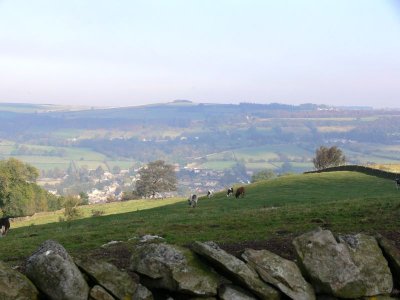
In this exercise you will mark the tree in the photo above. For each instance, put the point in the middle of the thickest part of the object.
(99, 171)
(19, 194)
(240, 171)
(84, 198)
(156, 177)
(328, 157)
(71, 211)
(116, 169)
(263, 175)
(286, 167)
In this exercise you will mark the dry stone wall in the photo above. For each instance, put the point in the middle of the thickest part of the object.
(327, 267)
(361, 169)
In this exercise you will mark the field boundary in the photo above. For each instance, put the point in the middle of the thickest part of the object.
(361, 169)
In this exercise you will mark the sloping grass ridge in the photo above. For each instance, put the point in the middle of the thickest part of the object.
(341, 201)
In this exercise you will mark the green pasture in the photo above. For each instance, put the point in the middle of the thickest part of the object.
(84, 154)
(344, 202)
(302, 165)
(81, 157)
(289, 150)
(71, 153)
(44, 162)
(263, 165)
(378, 157)
(266, 152)
(296, 166)
(394, 168)
(256, 153)
(86, 211)
(227, 164)
(394, 148)
(68, 133)
(123, 164)
(6, 147)
(338, 119)
(335, 128)
(218, 164)
(256, 158)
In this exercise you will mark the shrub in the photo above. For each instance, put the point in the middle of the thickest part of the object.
(97, 213)
(328, 157)
(70, 210)
(263, 175)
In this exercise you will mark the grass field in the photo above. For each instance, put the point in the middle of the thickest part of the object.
(394, 168)
(342, 201)
(266, 152)
(257, 158)
(335, 128)
(81, 157)
(374, 155)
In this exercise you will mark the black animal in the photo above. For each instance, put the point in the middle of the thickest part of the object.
(397, 182)
(4, 225)
(239, 192)
(230, 192)
(192, 200)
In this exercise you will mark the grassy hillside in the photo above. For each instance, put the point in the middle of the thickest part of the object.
(341, 201)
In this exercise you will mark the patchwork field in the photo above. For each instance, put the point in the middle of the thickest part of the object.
(341, 201)
(81, 156)
(265, 157)
(394, 168)
(372, 153)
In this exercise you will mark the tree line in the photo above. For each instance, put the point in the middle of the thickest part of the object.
(21, 196)
(325, 157)
(19, 193)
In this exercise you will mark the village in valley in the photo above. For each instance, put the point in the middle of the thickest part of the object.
(98, 153)
(103, 186)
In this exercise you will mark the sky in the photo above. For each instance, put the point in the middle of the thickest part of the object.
(134, 52)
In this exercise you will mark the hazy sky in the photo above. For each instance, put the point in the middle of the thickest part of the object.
(94, 52)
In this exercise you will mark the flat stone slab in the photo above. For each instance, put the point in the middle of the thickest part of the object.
(281, 273)
(118, 283)
(235, 269)
(231, 292)
(14, 285)
(173, 268)
(351, 268)
(392, 255)
(53, 271)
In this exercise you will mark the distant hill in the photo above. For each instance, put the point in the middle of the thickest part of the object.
(213, 145)
(37, 108)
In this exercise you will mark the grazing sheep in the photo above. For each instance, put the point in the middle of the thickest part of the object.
(210, 193)
(230, 192)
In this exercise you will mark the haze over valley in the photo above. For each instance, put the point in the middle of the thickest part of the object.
(212, 146)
